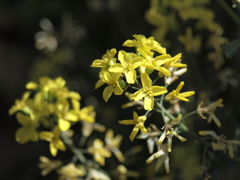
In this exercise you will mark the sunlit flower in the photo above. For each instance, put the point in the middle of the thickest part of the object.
(154, 62)
(99, 152)
(106, 61)
(169, 133)
(127, 66)
(222, 143)
(54, 139)
(48, 165)
(112, 144)
(138, 121)
(162, 157)
(71, 172)
(114, 86)
(210, 109)
(176, 95)
(28, 131)
(142, 41)
(148, 92)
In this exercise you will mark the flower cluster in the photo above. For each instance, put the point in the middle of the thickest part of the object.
(47, 111)
(124, 70)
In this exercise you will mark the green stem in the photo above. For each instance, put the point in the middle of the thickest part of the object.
(75, 150)
(187, 115)
(229, 11)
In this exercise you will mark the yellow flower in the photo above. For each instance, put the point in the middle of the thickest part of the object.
(99, 151)
(20, 105)
(210, 109)
(155, 62)
(64, 115)
(113, 81)
(176, 95)
(191, 44)
(222, 143)
(85, 114)
(127, 66)
(54, 139)
(52, 88)
(28, 131)
(148, 92)
(112, 144)
(169, 133)
(138, 121)
(142, 41)
(162, 156)
(48, 165)
(71, 172)
(107, 60)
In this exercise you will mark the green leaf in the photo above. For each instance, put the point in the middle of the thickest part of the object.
(230, 48)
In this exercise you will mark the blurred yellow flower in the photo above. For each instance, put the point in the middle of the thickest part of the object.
(64, 115)
(138, 121)
(99, 152)
(28, 131)
(148, 92)
(191, 44)
(54, 139)
(20, 105)
(71, 172)
(112, 144)
(48, 165)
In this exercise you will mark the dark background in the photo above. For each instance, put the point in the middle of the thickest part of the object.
(107, 26)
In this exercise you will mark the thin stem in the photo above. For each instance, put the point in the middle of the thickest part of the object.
(187, 115)
(229, 11)
(75, 150)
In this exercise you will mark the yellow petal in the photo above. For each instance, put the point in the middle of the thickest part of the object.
(146, 81)
(138, 95)
(107, 92)
(148, 103)
(71, 116)
(118, 90)
(131, 76)
(32, 85)
(53, 149)
(63, 124)
(134, 133)
(158, 90)
(116, 68)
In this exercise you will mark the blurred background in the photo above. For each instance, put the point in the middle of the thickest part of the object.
(78, 32)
